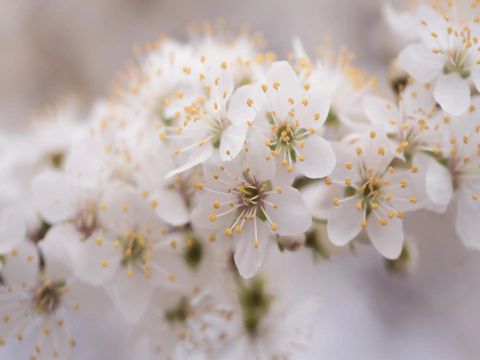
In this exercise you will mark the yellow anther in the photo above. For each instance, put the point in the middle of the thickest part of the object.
(328, 181)
(413, 200)
(228, 232)
(348, 181)
(212, 217)
(256, 244)
(216, 204)
(349, 165)
(199, 186)
(104, 263)
(336, 201)
(403, 184)
(274, 227)
(373, 134)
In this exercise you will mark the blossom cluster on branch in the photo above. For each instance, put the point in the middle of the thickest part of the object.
(163, 202)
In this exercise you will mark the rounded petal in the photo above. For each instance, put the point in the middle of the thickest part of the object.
(172, 208)
(387, 239)
(476, 78)
(318, 158)
(283, 84)
(381, 112)
(344, 222)
(52, 196)
(312, 110)
(232, 141)
(12, 228)
(439, 185)
(467, 222)
(123, 208)
(96, 259)
(290, 214)
(258, 158)
(245, 103)
(250, 252)
(452, 93)
(21, 265)
(132, 295)
(420, 62)
(92, 300)
(198, 156)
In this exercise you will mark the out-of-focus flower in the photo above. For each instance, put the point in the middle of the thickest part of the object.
(447, 56)
(241, 199)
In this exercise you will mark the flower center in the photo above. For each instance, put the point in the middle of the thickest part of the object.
(193, 254)
(251, 192)
(285, 134)
(48, 297)
(134, 249)
(458, 62)
(86, 222)
(179, 313)
(255, 303)
(217, 125)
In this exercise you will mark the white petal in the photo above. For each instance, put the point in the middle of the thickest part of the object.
(171, 207)
(239, 111)
(232, 141)
(312, 108)
(292, 216)
(467, 222)
(92, 300)
(248, 257)
(85, 162)
(452, 93)
(52, 195)
(438, 183)
(96, 259)
(372, 157)
(132, 294)
(319, 158)
(125, 209)
(420, 62)
(12, 228)
(281, 73)
(344, 222)
(58, 263)
(476, 78)
(387, 239)
(259, 159)
(381, 112)
(198, 156)
(22, 265)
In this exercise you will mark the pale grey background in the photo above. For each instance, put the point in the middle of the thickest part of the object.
(53, 47)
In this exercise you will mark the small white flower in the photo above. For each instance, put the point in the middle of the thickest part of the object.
(447, 56)
(128, 256)
(39, 306)
(461, 153)
(369, 193)
(290, 117)
(417, 127)
(268, 327)
(241, 199)
(180, 323)
(344, 83)
(215, 122)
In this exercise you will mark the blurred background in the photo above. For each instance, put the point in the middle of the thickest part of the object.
(51, 48)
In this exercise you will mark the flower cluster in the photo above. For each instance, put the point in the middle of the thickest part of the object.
(163, 202)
